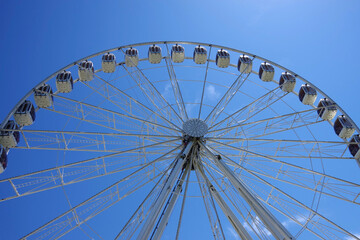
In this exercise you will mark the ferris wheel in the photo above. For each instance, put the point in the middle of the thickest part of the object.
(179, 140)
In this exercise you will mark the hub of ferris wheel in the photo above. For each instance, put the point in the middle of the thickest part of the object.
(194, 130)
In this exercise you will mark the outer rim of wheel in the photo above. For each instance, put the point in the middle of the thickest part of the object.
(178, 42)
(181, 42)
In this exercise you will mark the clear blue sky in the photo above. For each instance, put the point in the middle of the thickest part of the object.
(319, 40)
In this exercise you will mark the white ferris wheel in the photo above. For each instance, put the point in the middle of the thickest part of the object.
(179, 140)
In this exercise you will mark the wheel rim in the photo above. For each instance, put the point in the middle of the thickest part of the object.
(137, 113)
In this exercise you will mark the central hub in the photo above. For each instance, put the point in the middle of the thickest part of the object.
(195, 127)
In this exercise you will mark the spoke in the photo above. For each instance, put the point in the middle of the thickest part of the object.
(74, 172)
(283, 148)
(236, 203)
(94, 205)
(205, 78)
(167, 188)
(333, 180)
(84, 141)
(184, 199)
(253, 108)
(98, 115)
(234, 221)
(130, 101)
(150, 91)
(143, 210)
(272, 224)
(225, 100)
(175, 86)
(169, 207)
(290, 207)
(272, 125)
(315, 182)
(210, 209)
(304, 180)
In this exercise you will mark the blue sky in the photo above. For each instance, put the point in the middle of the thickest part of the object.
(318, 40)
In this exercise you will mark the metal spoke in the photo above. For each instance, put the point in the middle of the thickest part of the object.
(150, 91)
(253, 108)
(331, 179)
(98, 115)
(225, 100)
(225, 208)
(169, 207)
(210, 209)
(160, 201)
(91, 207)
(175, 86)
(272, 224)
(143, 210)
(84, 141)
(184, 199)
(205, 78)
(74, 172)
(283, 204)
(291, 148)
(272, 125)
(130, 101)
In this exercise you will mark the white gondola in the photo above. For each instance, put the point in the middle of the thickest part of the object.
(327, 109)
(343, 127)
(108, 63)
(64, 82)
(86, 71)
(177, 53)
(200, 55)
(222, 58)
(354, 146)
(266, 72)
(244, 64)
(3, 159)
(25, 114)
(11, 138)
(131, 57)
(307, 94)
(287, 82)
(43, 96)
(154, 54)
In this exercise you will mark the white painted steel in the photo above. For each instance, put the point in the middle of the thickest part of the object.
(160, 130)
(272, 224)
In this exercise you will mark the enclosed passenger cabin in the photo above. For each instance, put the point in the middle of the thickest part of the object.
(25, 114)
(177, 53)
(307, 94)
(354, 146)
(86, 71)
(343, 127)
(64, 82)
(3, 159)
(131, 57)
(11, 138)
(43, 96)
(108, 63)
(326, 109)
(222, 58)
(266, 72)
(200, 55)
(154, 54)
(287, 82)
(244, 64)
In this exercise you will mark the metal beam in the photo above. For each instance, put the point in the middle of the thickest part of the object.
(167, 188)
(272, 224)
(239, 228)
